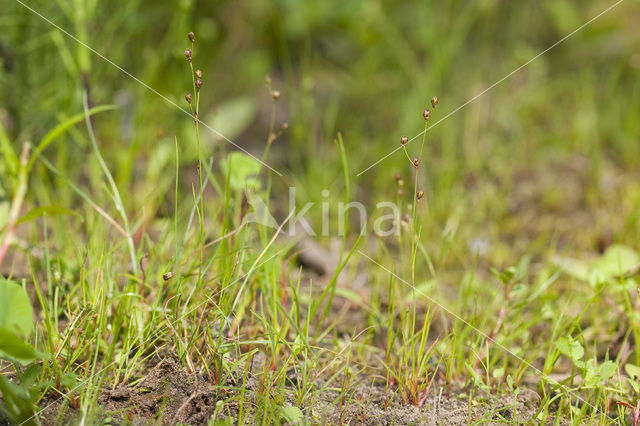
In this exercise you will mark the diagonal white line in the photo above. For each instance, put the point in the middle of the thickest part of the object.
(494, 84)
(142, 83)
(477, 330)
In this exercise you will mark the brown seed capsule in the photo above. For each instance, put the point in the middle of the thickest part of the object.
(198, 73)
(192, 36)
(416, 162)
(434, 101)
(419, 195)
(188, 97)
(426, 114)
(398, 176)
(198, 83)
(275, 95)
(187, 54)
(168, 275)
(404, 140)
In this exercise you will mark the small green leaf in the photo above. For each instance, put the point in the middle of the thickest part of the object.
(291, 414)
(570, 347)
(244, 170)
(632, 370)
(497, 372)
(607, 369)
(510, 382)
(505, 276)
(16, 314)
(298, 345)
(48, 210)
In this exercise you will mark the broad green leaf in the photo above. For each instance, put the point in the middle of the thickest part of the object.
(291, 414)
(14, 348)
(570, 347)
(617, 260)
(232, 117)
(244, 170)
(16, 314)
(48, 210)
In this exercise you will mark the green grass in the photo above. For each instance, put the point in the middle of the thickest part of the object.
(516, 269)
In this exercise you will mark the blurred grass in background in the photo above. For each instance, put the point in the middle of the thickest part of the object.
(365, 68)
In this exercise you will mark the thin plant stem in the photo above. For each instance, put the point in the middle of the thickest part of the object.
(114, 189)
(16, 203)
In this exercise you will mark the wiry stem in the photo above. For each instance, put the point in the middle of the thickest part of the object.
(16, 203)
(114, 189)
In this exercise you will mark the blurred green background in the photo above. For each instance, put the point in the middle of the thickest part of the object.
(556, 145)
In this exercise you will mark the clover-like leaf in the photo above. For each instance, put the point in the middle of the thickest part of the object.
(570, 347)
(291, 414)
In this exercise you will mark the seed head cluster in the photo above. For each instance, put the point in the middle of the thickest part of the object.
(426, 114)
(197, 75)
